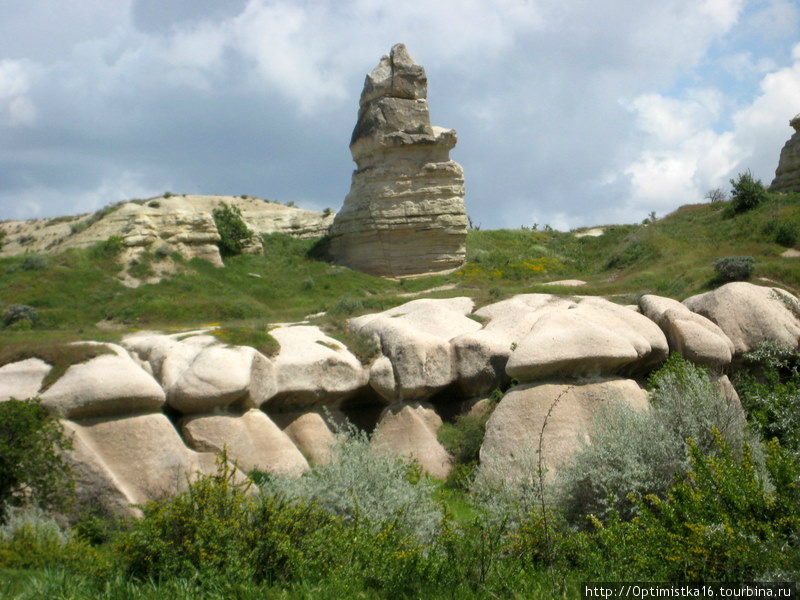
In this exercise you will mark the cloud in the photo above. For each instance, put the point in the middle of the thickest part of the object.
(14, 100)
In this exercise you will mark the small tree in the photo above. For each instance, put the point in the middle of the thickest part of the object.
(747, 193)
(232, 229)
(33, 468)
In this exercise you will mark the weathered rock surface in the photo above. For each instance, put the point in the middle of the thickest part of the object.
(750, 314)
(584, 336)
(510, 447)
(199, 374)
(313, 368)
(405, 212)
(22, 379)
(109, 384)
(173, 223)
(691, 334)
(253, 440)
(310, 433)
(131, 460)
(787, 175)
(409, 429)
(419, 359)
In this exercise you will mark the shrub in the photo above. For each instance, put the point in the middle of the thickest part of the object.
(363, 482)
(746, 193)
(769, 388)
(108, 249)
(720, 523)
(640, 452)
(786, 234)
(234, 233)
(30, 538)
(734, 268)
(16, 313)
(33, 468)
(34, 262)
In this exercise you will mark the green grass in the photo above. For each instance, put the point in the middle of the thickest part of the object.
(674, 256)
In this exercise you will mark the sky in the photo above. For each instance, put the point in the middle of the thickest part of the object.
(569, 112)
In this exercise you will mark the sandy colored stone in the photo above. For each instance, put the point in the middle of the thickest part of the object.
(692, 335)
(122, 461)
(787, 175)
(405, 212)
(310, 432)
(409, 430)
(199, 373)
(253, 440)
(585, 336)
(22, 379)
(313, 369)
(510, 446)
(109, 384)
(415, 337)
(750, 314)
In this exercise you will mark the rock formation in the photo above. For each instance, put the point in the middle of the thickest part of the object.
(405, 213)
(151, 411)
(787, 175)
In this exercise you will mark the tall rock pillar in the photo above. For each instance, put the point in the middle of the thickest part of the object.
(787, 175)
(405, 213)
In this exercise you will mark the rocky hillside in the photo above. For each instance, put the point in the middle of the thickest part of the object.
(169, 223)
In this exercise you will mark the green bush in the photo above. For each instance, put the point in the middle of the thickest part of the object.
(734, 268)
(35, 262)
(747, 193)
(234, 233)
(769, 387)
(720, 523)
(640, 452)
(30, 538)
(786, 234)
(109, 249)
(17, 313)
(33, 468)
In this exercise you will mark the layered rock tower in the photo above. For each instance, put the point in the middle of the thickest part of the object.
(404, 214)
(787, 175)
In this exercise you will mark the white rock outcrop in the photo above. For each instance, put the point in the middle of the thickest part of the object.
(405, 212)
(109, 384)
(253, 440)
(418, 358)
(510, 446)
(409, 430)
(310, 432)
(198, 373)
(22, 379)
(312, 369)
(122, 461)
(750, 314)
(585, 336)
(692, 335)
(787, 175)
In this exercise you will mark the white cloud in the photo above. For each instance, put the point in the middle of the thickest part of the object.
(14, 100)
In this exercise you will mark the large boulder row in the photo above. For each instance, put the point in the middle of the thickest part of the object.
(22, 379)
(253, 440)
(510, 445)
(109, 384)
(691, 334)
(409, 430)
(313, 369)
(787, 175)
(586, 336)
(199, 374)
(120, 462)
(750, 314)
(405, 212)
(414, 337)
(310, 432)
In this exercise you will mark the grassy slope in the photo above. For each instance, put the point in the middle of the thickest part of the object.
(673, 257)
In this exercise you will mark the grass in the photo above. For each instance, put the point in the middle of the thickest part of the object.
(75, 291)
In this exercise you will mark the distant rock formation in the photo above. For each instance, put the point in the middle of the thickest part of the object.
(787, 175)
(405, 213)
(165, 224)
